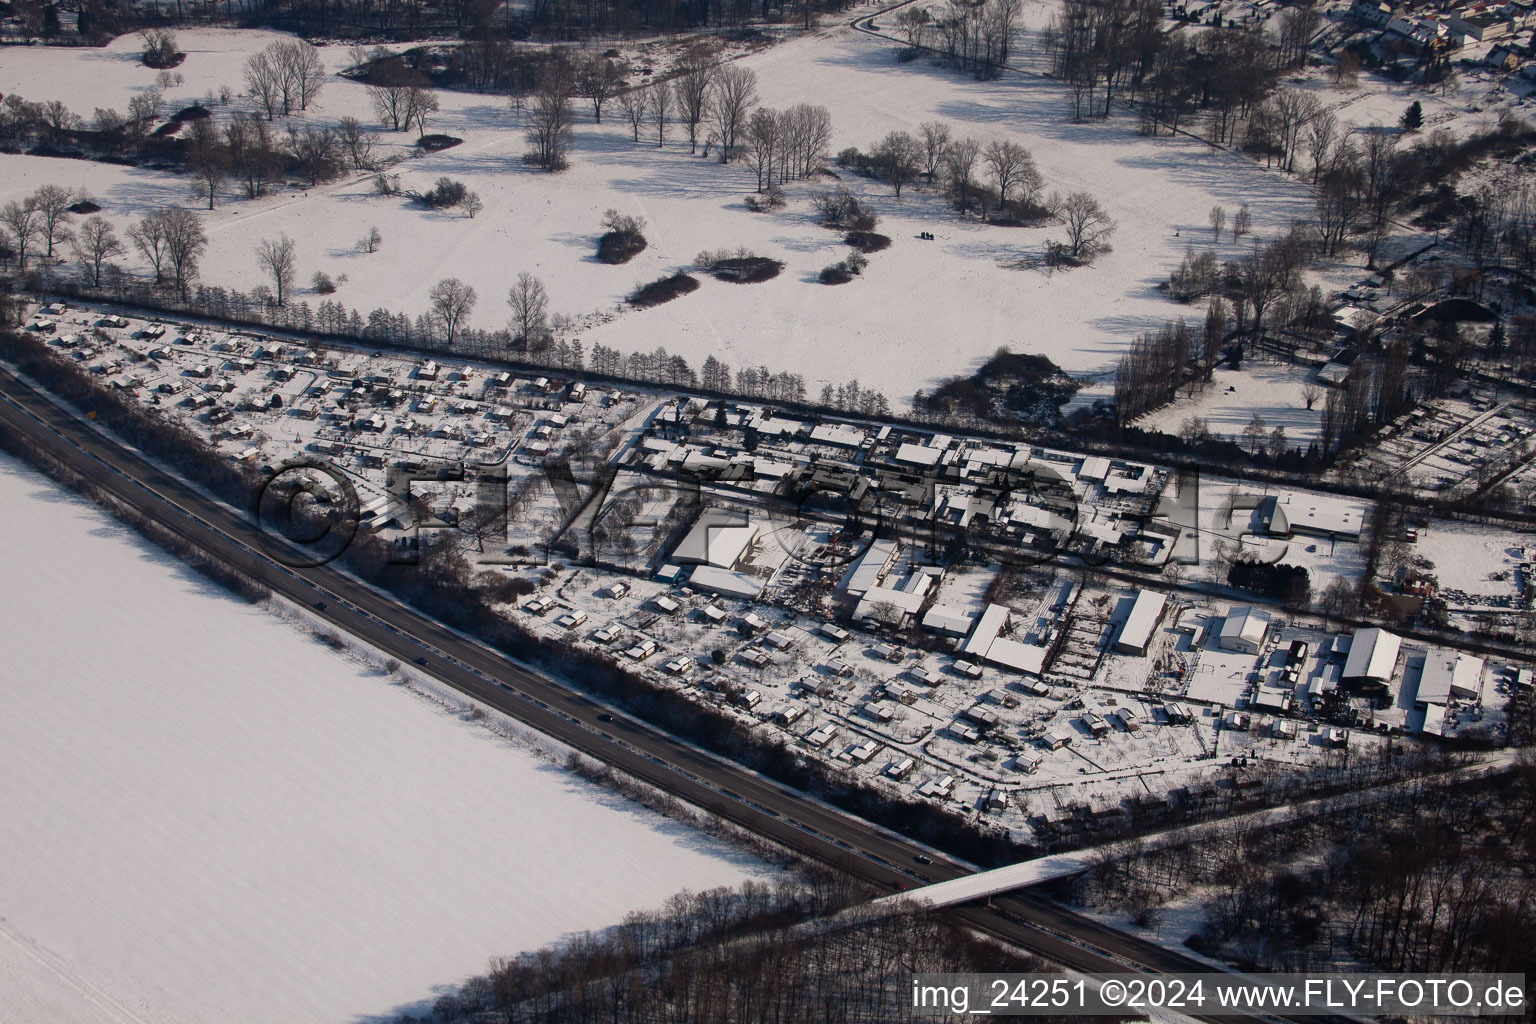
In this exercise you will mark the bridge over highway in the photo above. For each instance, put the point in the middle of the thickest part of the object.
(986, 884)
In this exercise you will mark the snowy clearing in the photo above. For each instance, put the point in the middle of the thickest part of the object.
(206, 816)
(880, 329)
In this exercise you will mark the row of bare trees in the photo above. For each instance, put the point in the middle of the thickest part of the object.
(704, 94)
(1373, 394)
(976, 37)
(782, 145)
(284, 77)
(935, 154)
(725, 955)
(400, 95)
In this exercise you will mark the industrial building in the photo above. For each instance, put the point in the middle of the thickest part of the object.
(1244, 630)
(1136, 634)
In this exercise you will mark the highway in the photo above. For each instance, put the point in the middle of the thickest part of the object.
(735, 794)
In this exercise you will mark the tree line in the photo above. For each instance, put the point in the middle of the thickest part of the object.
(759, 953)
(480, 22)
(1434, 879)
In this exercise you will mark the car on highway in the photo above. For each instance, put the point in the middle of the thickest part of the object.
(421, 661)
(605, 718)
(922, 858)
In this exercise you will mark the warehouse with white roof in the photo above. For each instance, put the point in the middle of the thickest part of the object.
(1244, 630)
(1372, 657)
(1136, 634)
(718, 538)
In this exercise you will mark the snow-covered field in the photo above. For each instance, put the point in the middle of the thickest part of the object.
(1271, 390)
(205, 815)
(924, 310)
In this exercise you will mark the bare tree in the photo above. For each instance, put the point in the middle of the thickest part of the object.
(278, 258)
(159, 48)
(316, 152)
(264, 82)
(1013, 169)
(692, 90)
(935, 136)
(1293, 110)
(253, 155)
(549, 125)
(897, 155)
(284, 77)
(599, 78)
(452, 301)
(172, 240)
(144, 110)
(809, 133)
(393, 90)
(632, 105)
(1088, 226)
(960, 166)
(1218, 221)
(471, 204)
(660, 104)
(148, 236)
(913, 23)
(207, 163)
(1310, 393)
(95, 244)
(370, 241)
(1242, 222)
(530, 310)
(420, 104)
(21, 217)
(52, 203)
(357, 142)
(59, 120)
(1321, 131)
(303, 71)
(735, 93)
(764, 134)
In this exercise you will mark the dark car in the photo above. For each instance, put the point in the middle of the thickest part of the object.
(421, 661)
(923, 858)
(605, 718)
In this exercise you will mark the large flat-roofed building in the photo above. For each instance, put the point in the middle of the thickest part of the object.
(870, 568)
(987, 628)
(1136, 634)
(918, 454)
(718, 538)
(1372, 657)
(715, 580)
(1315, 515)
(1027, 658)
(1244, 629)
(1447, 675)
(949, 618)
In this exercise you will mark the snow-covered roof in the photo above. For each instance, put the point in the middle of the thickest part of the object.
(718, 538)
(1147, 609)
(840, 434)
(918, 454)
(1449, 674)
(715, 580)
(982, 637)
(1372, 654)
(1316, 514)
(908, 601)
(1095, 467)
(1246, 623)
(949, 618)
(1012, 654)
(866, 572)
